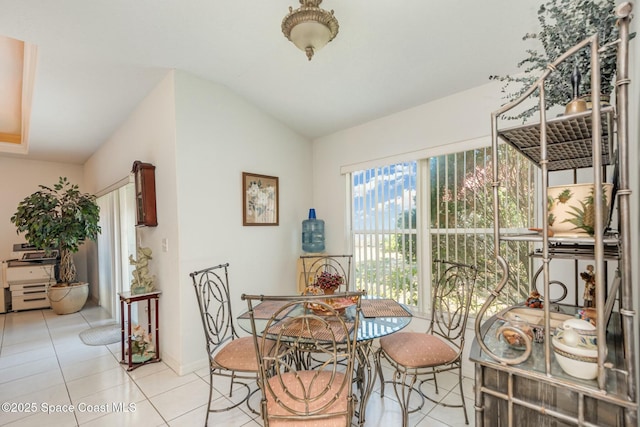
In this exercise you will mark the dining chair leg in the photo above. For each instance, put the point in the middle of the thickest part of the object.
(249, 401)
(379, 369)
(233, 377)
(206, 420)
(404, 395)
(464, 406)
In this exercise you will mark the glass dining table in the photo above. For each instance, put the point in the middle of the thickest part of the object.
(378, 317)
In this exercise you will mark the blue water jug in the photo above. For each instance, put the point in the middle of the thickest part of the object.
(313, 233)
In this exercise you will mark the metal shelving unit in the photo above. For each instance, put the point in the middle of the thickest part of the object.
(529, 387)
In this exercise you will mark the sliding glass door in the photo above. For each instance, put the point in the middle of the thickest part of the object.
(116, 242)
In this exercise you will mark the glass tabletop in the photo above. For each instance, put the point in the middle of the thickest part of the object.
(369, 328)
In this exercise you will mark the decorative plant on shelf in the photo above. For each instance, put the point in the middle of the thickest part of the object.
(565, 23)
(60, 217)
(142, 347)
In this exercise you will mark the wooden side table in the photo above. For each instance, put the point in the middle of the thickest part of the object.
(125, 326)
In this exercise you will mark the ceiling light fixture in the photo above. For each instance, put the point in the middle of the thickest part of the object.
(310, 27)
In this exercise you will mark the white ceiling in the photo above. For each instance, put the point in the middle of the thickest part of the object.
(97, 59)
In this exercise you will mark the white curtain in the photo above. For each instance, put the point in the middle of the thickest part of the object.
(116, 242)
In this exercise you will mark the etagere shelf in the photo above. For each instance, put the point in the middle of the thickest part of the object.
(528, 387)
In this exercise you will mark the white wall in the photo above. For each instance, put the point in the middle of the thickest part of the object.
(220, 136)
(148, 135)
(21, 178)
(201, 137)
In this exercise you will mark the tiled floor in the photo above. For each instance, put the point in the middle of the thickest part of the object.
(44, 367)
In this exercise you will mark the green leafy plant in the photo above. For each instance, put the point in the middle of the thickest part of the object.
(60, 217)
(563, 24)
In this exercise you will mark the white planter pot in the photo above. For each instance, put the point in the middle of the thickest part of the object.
(571, 210)
(66, 299)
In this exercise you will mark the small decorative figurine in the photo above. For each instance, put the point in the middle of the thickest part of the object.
(534, 300)
(589, 278)
(142, 281)
(577, 104)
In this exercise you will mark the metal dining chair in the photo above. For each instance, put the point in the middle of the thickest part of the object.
(315, 265)
(229, 355)
(293, 393)
(418, 355)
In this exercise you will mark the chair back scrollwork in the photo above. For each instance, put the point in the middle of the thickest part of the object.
(212, 292)
(304, 330)
(230, 356)
(337, 265)
(451, 300)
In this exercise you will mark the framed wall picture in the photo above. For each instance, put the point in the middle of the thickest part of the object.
(259, 199)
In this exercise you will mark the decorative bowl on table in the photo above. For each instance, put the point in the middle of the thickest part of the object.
(338, 304)
(313, 290)
(575, 348)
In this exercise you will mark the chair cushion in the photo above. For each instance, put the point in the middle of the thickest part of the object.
(319, 383)
(237, 355)
(417, 350)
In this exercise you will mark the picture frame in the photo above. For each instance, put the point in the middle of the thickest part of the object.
(260, 199)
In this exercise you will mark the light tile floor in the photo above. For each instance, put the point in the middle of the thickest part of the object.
(45, 368)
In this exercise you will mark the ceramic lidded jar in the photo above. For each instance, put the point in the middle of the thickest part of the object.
(575, 348)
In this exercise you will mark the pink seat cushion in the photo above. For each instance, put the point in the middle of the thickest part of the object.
(417, 350)
(310, 385)
(238, 355)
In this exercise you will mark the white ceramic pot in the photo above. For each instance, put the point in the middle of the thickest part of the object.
(67, 299)
(571, 210)
(575, 348)
(575, 361)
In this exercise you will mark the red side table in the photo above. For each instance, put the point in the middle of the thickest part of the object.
(125, 326)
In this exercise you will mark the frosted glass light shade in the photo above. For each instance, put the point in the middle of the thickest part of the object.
(310, 34)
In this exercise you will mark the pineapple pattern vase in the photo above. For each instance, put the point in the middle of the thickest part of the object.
(571, 209)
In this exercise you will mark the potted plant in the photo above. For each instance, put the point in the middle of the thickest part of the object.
(329, 282)
(60, 217)
(563, 24)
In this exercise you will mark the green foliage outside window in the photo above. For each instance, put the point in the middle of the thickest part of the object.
(461, 225)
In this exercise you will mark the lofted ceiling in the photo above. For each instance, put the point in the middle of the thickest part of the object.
(98, 59)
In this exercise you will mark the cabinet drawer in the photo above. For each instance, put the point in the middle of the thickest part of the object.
(30, 273)
(31, 301)
(31, 288)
